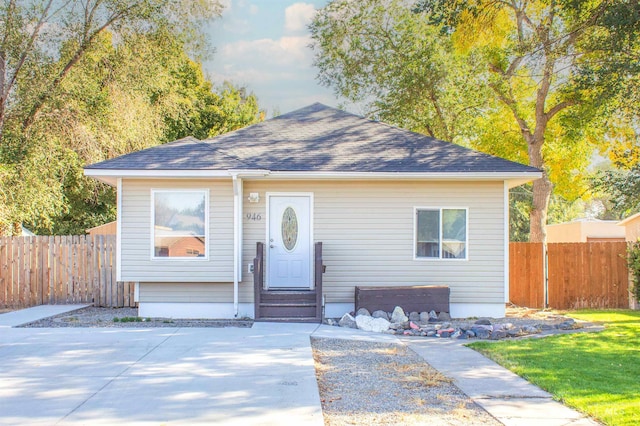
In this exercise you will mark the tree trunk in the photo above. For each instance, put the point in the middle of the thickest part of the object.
(542, 189)
(538, 218)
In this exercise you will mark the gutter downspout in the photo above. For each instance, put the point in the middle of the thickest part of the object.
(237, 206)
(506, 236)
(238, 195)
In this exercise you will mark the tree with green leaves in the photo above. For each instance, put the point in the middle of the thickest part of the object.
(42, 41)
(83, 81)
(123, 99)
(522, 64)
(396, 65)
(623, 188)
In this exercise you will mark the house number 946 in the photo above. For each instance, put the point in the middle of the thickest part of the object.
(254, 216)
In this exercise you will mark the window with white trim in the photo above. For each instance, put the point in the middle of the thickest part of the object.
(441, 233)
(180, 224)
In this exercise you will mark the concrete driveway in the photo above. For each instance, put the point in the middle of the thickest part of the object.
(263, 375)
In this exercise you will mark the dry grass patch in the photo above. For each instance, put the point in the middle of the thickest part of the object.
(364, 383)
(417, 374)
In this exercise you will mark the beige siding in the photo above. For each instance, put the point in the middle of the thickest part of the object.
(186, 292)
(367, 234)
(136, 234)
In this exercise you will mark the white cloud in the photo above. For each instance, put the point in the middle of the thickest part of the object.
(298, 16)
(236, 26)
(284, 51)
(277, 67)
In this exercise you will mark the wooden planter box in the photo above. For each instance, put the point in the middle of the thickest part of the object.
(410, 298)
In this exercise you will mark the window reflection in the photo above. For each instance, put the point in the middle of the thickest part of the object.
(441, 233)
(179, 224)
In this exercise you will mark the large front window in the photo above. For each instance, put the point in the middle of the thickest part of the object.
(180, 223)
(441, 233)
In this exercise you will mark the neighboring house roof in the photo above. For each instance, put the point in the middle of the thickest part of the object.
(585, 220)
(316, 138)
(109, 228)
(631, 218)
(26, 233)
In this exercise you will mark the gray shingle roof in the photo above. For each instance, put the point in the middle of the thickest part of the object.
(315, 138)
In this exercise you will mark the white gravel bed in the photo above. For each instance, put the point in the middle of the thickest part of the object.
(365, 383)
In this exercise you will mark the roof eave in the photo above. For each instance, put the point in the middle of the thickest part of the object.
(623, 222)
(518, 178)
(110, 176)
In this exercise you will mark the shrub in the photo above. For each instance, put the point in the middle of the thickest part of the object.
(633, 260)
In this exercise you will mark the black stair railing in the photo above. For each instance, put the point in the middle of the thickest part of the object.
(258, 278)
(319, 269)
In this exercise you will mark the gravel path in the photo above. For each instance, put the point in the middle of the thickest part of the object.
(364, 383)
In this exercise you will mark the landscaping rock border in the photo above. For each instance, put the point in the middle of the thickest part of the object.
(440, 325)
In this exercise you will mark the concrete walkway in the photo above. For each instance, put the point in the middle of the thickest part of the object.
(262, 375)
(503, 394)
(506, 396)
(23, 316)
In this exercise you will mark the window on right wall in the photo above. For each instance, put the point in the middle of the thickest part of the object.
(441, 233)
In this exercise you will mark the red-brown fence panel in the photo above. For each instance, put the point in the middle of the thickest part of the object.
(526, 274)
(588, 275)
(580, 275)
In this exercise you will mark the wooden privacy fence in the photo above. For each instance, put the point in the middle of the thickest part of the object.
(579, 275)
(62, 269)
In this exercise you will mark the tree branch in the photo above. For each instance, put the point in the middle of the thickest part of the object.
(27, 50)
(514, 66)
(439, 113)
(3, 61)
(84, 46)
(511, 104)
(559, 107)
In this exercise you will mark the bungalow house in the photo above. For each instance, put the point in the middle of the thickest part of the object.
(288, 216)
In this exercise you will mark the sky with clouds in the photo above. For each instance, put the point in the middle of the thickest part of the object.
(263, 45)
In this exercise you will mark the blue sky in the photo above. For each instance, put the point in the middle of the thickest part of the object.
(263, 45)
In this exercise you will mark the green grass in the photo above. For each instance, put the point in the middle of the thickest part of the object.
(129, 319)
(596, 373)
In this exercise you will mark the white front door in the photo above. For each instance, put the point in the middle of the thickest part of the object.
(289, 241)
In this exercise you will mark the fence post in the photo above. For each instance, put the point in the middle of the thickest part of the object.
(3, 271)
(8, 243)
(545, 275)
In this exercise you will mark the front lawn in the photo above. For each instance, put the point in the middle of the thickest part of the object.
(596, 373)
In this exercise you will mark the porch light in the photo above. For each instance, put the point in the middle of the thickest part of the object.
(254, 197)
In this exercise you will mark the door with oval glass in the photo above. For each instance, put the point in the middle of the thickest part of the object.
(289, 242)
